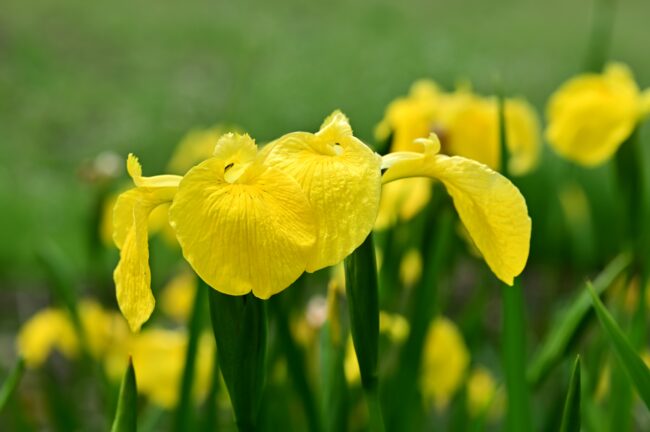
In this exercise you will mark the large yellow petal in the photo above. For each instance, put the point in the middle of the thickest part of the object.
(489, 205)
(254, 234)
(130, 221)
(341, 178)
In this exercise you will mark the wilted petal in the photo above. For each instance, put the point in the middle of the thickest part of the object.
(341, 178)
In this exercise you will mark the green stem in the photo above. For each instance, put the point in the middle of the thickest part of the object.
(184, 406)
(601, 34)
(514, 359)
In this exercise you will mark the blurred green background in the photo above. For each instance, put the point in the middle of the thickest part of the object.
(80, 78)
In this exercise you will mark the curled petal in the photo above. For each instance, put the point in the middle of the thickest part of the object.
(254, 234)
(130, 225)
(489, 205)
(341, 177)
(135, 171)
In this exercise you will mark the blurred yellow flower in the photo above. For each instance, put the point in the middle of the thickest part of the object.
(52, 329)
(394, 326)
(178, 295)
(444, 362)
(410, 268)
(250, 221)
(159, 359)
(401, 201)
(412, 117)
(591, 115)
(483, 394)
(196, 146)
(46, 331)
(467, 124)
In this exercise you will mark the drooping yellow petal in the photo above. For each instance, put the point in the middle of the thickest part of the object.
(591, 115)
(489, 205)
(252, 232)
(130, 220)
(341, 177)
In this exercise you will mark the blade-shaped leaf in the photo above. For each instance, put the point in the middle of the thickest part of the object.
(126, 416)
(571, 415)
(568, 324)
(632, 363)
(10, 384)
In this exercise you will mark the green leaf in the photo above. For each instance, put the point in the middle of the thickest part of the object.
(363, 302)
(569, 323)
(126, 416)
(11, 383)
(571, 415)
(184, 407)
(514, 359)
(239, 324)
(632, 363)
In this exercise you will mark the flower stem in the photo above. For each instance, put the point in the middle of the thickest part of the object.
(184, 407)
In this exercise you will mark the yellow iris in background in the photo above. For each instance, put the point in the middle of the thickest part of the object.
(445, 360)
(467, 125)
(591, 115)
(254, 221)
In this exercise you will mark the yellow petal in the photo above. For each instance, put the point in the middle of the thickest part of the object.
(591, 115)
(135, 171)
(251, 235)
(341, 178)
(523, 136)
(130, 220)
(471, 129)
(159, 360)
(178, 295)
(489, 205)
(444, 362)
(47, 330)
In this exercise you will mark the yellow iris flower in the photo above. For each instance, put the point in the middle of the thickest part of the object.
(254, 221)
(591, 115)
(467, 125)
